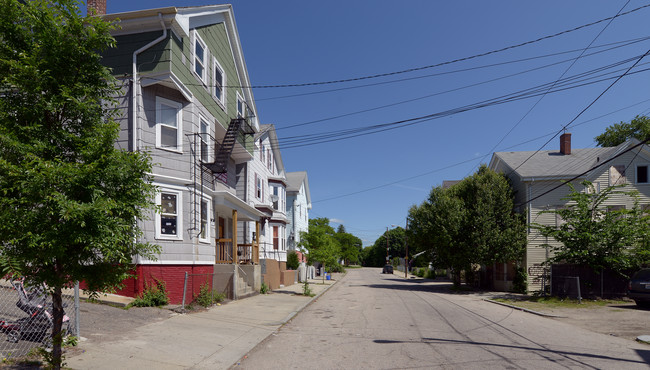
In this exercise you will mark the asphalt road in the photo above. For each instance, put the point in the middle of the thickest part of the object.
(374, 321)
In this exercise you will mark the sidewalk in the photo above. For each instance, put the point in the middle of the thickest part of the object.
(214, 339)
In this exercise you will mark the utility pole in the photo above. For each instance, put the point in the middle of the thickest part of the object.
(406, 246)
(387, 259)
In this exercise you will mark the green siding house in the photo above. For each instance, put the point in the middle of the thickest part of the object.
(186, 100)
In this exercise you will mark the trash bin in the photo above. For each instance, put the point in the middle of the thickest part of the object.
(328, 277)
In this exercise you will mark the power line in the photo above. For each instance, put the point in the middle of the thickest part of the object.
(443, 63)
(585, 109)
(558, 79)
(584, 173)
(625, 43)
(469, 160)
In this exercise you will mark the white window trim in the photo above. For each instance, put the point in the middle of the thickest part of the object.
(259, 187)
(208, 200)
(179, 215)
(222, 101)
(179, 124)
(204, 78)
(207, 139)
(243, 106)
(636, 174)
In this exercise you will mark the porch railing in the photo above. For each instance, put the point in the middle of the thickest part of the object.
(246, 253)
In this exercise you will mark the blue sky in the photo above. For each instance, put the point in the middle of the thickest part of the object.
(369, 182)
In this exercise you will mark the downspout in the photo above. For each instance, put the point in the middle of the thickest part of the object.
(134, 95)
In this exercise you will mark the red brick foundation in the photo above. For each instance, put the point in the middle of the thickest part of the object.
(172, 275)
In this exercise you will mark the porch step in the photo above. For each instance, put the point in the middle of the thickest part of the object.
(243, 289)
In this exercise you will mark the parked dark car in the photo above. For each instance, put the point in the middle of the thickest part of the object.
(639, 288)
(388, 269)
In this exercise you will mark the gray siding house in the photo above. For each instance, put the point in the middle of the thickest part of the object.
(535, 176)
(186, 101)
(298, 206)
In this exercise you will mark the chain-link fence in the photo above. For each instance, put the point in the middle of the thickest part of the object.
(26, 317)
(202, 288)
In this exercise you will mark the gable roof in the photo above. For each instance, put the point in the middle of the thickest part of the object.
(269, 130)
(181, 20)
(550, 164)
(295, 180)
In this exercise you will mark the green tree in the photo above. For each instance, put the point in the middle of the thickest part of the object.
(618, 133)
(350, 245)
(320, 243)
(393, 239)
(593, 235)
(69, 199)
(472, 222)
(292, 260)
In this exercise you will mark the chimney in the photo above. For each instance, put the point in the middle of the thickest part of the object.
(565, 143)
(96, 7)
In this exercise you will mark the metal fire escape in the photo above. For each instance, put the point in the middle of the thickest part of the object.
(224, 151)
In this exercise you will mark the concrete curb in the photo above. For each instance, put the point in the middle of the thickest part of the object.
(523, 309)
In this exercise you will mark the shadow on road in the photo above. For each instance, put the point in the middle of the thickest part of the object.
(423, 285)
(644, 354)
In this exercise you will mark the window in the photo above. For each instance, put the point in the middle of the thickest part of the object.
(276, 238)
(204, 136)
(276, 198)
(219, 77)
(240, 106)
(258, 185)
(594, 188)
(168, 124)
(617, 175)
(200, 57)
(204, 234)
(168, 224)
(641, 174)
(269, 160)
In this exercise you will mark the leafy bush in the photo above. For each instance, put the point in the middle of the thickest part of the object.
(520, 280)
(154, 295)
(419, 272)
(264, 289)
(430, 274)
(292, 260)
(207, 297)
(337, 267)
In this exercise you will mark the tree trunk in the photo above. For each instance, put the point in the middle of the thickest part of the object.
(456, 277)
(57, 337)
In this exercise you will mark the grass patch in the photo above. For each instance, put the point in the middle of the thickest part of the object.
(540, 303)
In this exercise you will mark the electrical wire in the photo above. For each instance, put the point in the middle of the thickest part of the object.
(304, 84)
(500, 64)
(585, 109)
(556, 81)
